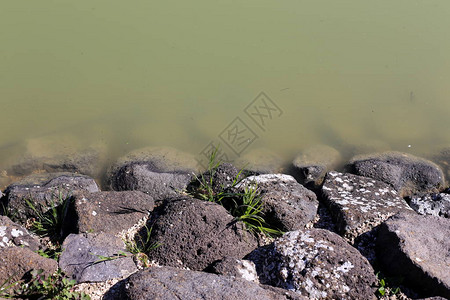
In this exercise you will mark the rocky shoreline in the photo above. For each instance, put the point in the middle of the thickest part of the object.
(335, 230)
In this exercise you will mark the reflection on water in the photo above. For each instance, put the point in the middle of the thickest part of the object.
(349, 74)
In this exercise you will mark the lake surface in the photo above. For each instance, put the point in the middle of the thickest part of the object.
(185, 74)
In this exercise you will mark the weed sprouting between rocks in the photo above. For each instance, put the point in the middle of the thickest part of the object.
(55, 287)
(49, 222)
(244, 206)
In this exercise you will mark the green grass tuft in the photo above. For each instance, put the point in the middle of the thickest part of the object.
(243, 206)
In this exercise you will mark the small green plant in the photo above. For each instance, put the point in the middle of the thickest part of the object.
(141, 245)
(243, 206)
(54, 287)
(102, 258)
(49, 222)
(249, 211)
(385, 288)
(52, 253)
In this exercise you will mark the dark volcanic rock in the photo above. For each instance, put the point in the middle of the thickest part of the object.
(82, 258)
(315, 263)
(406, 173)
(171, 283)
(358, 204)
(159, 172)
(43, 189)
(434, 204)
(310, 167)
(15, 262)
(14, 234)
(287, 205)
(194, 233)
(109, 212)
(417, 248)
(238, 268)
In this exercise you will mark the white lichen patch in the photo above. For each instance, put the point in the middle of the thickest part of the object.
(347, 266)
(3, 230)
(16, 232)
(248, 271)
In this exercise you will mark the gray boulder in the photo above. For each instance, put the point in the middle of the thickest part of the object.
(434, 204)
(171, 283)
(311, 166)
(193, 233)
(159, 172)
(109, 212)
(43, 190)
(317, 264)
(408, 174)
(417, 248)
(287, 205)
(12, 234)
(358, 204)
(95, 257)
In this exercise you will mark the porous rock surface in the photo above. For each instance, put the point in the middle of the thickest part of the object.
(433, 204)
(287, 205)
(417, 248)
(12, 234)
(15, 262)
(317, 264)
(172, 283)
(408, 174)
(109, 212)
(193, 233)
(358, 204)
(43, 189)
(157, 171)
(311, 166)
(82, 257)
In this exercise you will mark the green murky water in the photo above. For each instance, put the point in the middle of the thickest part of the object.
(177, 73)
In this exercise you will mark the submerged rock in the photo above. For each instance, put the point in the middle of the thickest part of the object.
(260, 161)
(408, 174)
(58, 153)
(310, 166)
(160, 172)
(317, 264)
(417, 248)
